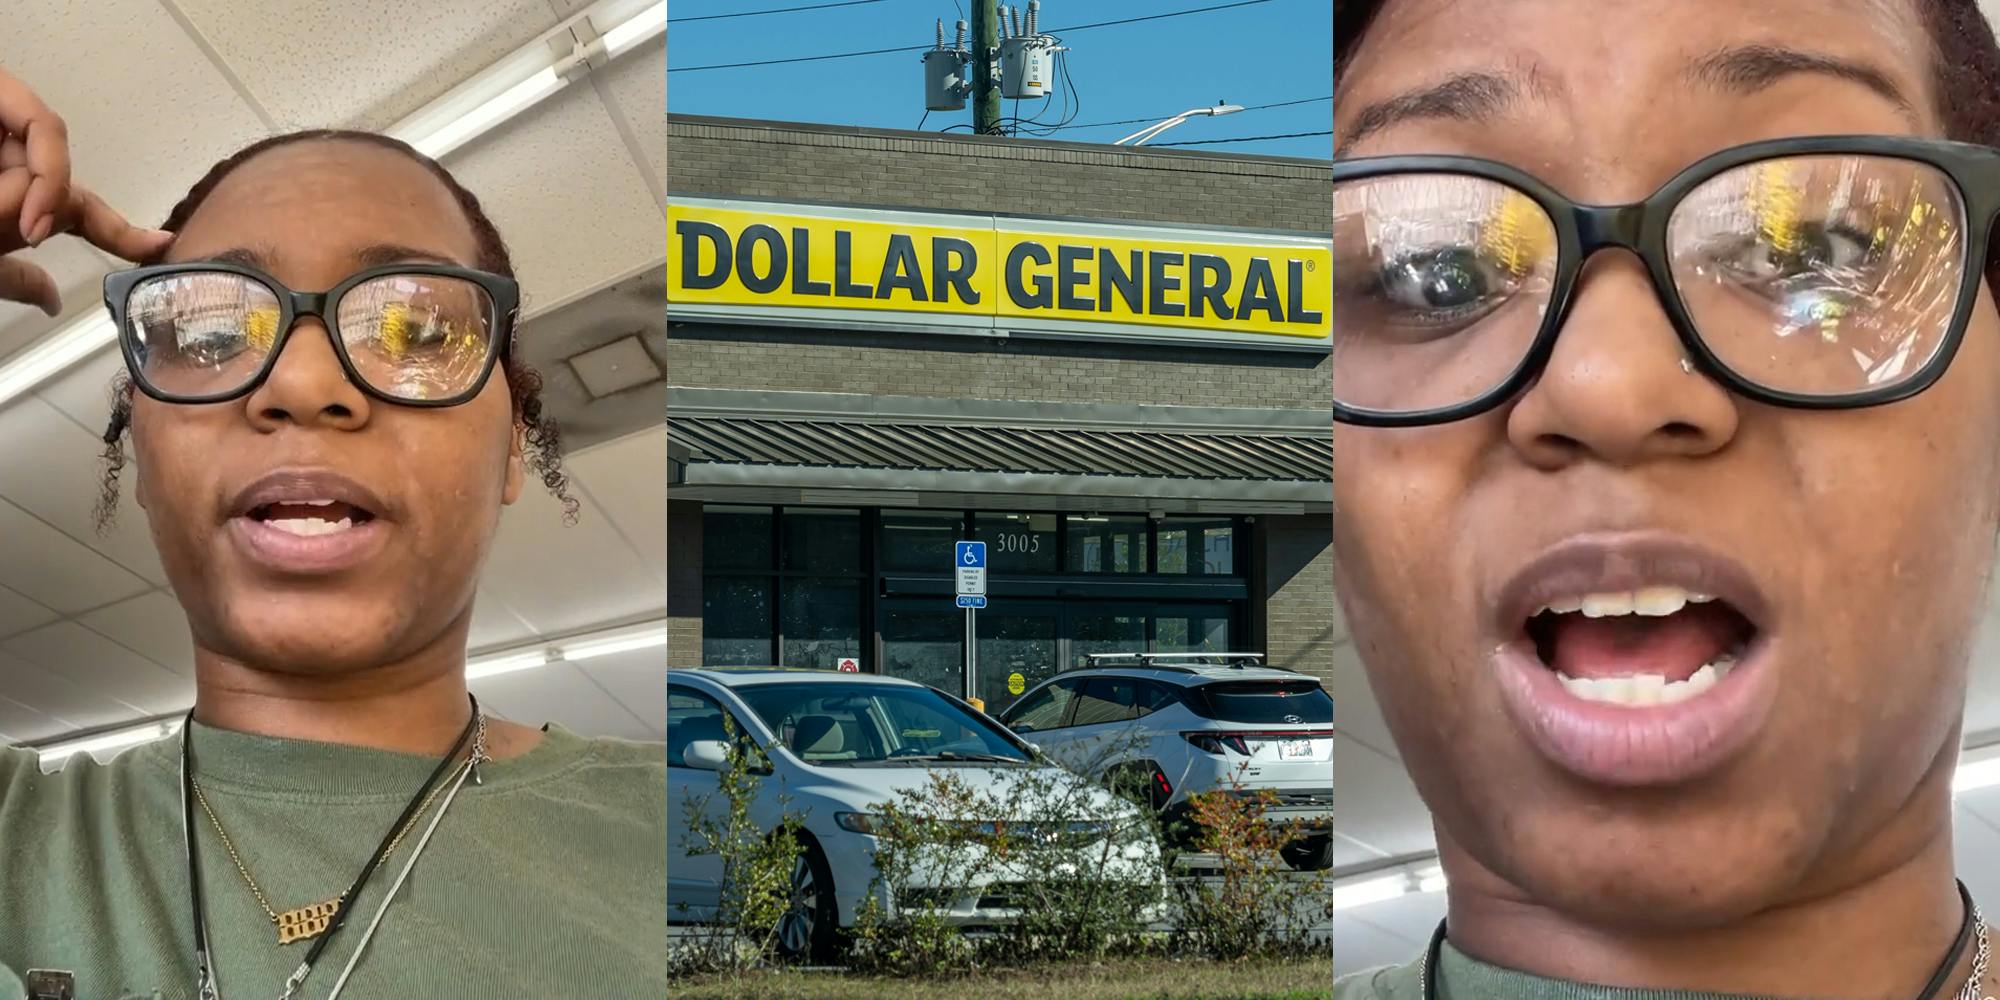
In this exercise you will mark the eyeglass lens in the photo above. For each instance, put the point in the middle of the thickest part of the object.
(1822, 275)
(418, 337)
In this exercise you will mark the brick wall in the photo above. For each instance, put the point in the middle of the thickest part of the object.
(1301, 623)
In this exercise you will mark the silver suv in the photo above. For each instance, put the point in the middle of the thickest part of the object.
(1191, 722)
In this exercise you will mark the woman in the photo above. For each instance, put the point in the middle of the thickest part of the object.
(1666, 566)
(339, 818)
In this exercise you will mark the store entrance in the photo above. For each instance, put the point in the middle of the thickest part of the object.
(1022, 643)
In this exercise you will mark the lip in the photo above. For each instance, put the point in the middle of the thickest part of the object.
(284, 553)
(1633, 746)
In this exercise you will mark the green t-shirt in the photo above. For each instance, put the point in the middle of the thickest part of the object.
(546, 880)
(1462, 977)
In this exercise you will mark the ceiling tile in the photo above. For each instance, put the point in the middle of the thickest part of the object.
(565, 578)
(559, 693)
(1374, 802)
(1359, 945)
(128, 79)
(55, 473)
(637, 83)
(313, 64)
(84, 392)
(638, 680)
(67, 701)
(103, 667)
(58, 571)
(1348, 851)
(569, 238)
(78, 271)
(627, 479)
(19, 614)
(152, 625)
(494, 624)
(1412, 918)
(21, 724)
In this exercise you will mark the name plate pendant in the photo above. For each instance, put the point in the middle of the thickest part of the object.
(306, 922)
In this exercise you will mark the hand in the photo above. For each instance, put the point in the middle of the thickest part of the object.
(37, 200)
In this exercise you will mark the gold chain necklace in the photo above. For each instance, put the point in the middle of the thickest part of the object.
(308, 922)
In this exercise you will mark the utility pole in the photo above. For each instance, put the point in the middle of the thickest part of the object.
(985, 49)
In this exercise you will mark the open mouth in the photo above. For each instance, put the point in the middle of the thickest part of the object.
(1655, 645)
(311, 517)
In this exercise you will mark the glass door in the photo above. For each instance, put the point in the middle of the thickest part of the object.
(1018, 648)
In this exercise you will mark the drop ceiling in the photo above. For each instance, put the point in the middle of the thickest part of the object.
(154, 91)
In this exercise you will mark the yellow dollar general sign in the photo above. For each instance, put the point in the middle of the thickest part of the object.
(744, 262)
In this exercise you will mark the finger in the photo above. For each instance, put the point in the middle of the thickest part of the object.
(13, 153)
(13, 186)
(46, 138)
(92, 218)
(21, 281)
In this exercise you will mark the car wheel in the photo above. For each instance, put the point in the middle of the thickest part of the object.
(809, 928)
(1309, 853)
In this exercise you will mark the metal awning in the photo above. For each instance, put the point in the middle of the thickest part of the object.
(833, 453)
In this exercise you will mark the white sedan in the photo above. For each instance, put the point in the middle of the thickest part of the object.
(840, 746)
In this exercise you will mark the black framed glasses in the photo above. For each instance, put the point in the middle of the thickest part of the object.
(414, 334)
(1827, 272)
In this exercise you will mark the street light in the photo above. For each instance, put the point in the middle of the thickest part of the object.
(1152, 132)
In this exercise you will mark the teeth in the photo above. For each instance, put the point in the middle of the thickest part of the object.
(1650, 602)
(1641, 690)
(311, 526)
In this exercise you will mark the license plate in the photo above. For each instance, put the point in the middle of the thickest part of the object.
(1295, 750)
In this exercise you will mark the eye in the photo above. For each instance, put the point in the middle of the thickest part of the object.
(1442, 285)
(1816, 251)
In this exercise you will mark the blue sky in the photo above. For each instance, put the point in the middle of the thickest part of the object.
(1267, 53)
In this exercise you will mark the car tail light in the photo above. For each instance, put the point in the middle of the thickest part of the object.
(1160, 782)
(1210, 742)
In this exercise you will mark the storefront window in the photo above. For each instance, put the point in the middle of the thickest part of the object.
(920, 540)
(1017, 543)
(1196, 632)
(820, 622)
(925, 646)
(1104, 633)
(1205, 546)
(736, 538)
(1107, 544)
(822, 540)
(736, 622)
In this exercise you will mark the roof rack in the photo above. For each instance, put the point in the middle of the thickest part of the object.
(1187, 663)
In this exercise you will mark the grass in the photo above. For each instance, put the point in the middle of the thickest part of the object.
(1148, 979)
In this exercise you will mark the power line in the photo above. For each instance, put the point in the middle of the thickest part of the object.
(778, 10)
(1248, 138)
(1157, 118)
(671, 68)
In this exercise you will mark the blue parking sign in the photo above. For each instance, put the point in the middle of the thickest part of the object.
(970, 555)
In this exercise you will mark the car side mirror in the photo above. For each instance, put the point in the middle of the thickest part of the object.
(706, 755)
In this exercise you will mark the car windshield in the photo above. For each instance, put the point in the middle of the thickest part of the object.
(857, 725)
(1263, 702)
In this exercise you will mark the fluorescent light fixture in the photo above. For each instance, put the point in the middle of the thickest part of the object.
(603, 642)
(55, 354)
(463, 114)
(624, 641)
(97, 743)
(1977, 768)
(1372, 890)
(636, 31)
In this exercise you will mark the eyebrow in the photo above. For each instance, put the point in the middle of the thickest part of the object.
(1478, 97)
(1466, 97)
(1747, 69)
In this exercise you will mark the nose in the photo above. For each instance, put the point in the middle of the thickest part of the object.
(1616, 389)
(308, 386)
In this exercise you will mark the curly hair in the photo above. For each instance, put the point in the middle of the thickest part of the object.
(542, 438)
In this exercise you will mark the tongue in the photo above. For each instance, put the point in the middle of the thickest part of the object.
(1674, 646)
